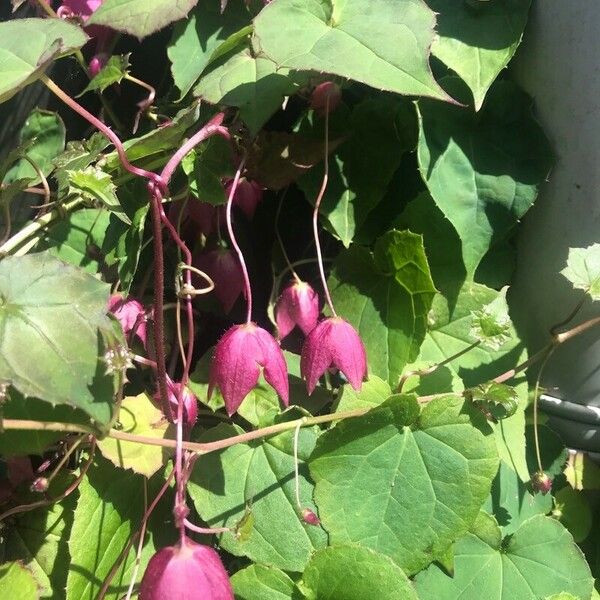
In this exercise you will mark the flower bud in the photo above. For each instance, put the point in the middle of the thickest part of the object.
(247, 195)
(309, 517)
(223, 267)
(297, 305)
(131, 315)
(235, 368)
(323, 92)
(97, 63)
(187, 571)
(190, 402)
(333, 343)
(541, 482)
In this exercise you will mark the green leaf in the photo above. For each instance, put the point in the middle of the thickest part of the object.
(138, 416)
(511, 503)
(17, 582)
(47, 39)
(483, 170)
(374, 392)
(39, 294)
(499, 400)
(112, 72)
(258, 582)
(406, 489)
(583, 269)
(538, 560)
(97, 186)
(197, 39)
(77, 156)
(386, 296)
(43, 138)
(108, 513)
(478, 39)
(259, 475)
(140, 17)
(362, 167)
(252, 83)
(574, 512)
(78, 238)
(552, 450)
(352, 40)
(348, 572)
(582, 472)
(491, 324)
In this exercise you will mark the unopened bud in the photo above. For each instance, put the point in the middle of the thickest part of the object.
(308, 516)
(39, 485)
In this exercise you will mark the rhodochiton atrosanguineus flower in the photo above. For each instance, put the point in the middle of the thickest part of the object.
(333, 343)
(541, 482)
(247, 195)
(223, 267)
(190, 402)
(187, 571)
(239, 356)
(325, 91)
(297, 305)
(130, 313)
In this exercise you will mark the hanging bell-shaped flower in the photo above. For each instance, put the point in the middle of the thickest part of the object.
(190, 402)
(297, 305)
(247, 195)
(130, 313)
(223, 267)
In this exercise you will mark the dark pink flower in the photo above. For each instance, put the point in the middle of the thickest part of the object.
(309, 517)
(326, 90)
(130, 313)
(239, 356)
(247, 195)
(83, 8)
(297, 305)
(190, 402)
(333, 343)
(97, 63)
(223, 267)
(203, 214)
(541, 482)
(187, 571)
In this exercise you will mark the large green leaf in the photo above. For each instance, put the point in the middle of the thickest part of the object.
(382, 43)
(538, 560)
(252, 83)
(258, 582)
(362, 167)
(402, 486)
(349, 572)
(259, 476)
(477, 39)
(17, 582)
(43, 136)
(22, 63)
(196, 39)
(583, 269)
(386, 296)
(483, 170)
(140, 17)
(53, 316)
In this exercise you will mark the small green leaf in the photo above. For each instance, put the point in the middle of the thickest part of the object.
(23, 63)
(112, 72)
(140, 17)
(491, 324)
(97, 186)
(17, 582)
(258, 582)
(352, 40)
(374, 392)
(477, 42)
(138, 416)
(538, 560)
(406, 489)
(582, 472)
(583, 269)
(499, 400)
(347, 572)
(574, 512)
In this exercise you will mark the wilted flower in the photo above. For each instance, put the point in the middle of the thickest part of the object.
(187, 571)
(323, 92)
(223, 267)
(190, 402)
(130, 313)
(247, 195)
(297, 305)
(333, 343)
(239, 355)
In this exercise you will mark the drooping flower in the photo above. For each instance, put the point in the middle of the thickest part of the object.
(237, 361)
(190, 402)
(333, 343)
(223, 267)
(186, 571)
(328, 90)
(203, 214)
(130, 313)
(297, 305)
(247, 195)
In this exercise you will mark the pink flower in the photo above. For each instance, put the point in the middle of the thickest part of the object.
(541, 482)
(130, 313)
(333, 343)
(247, 195)
(239, 355)
(83, 8)
(187, 571)
(297, 305)
(203, 214)
(309, 517)
(318, 100)
(223, 267)
(190, 402)
(97, 63)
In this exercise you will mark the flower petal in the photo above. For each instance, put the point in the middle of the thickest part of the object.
(348, 352)
(316, 354)
(273, 363)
